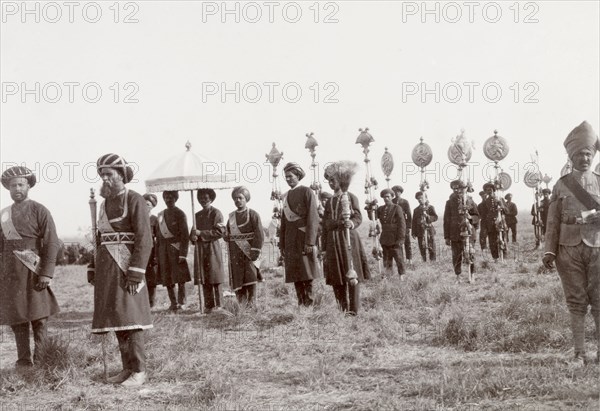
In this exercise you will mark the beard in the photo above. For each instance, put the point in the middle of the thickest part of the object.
(106, 191)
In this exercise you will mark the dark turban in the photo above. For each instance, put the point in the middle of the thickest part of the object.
(295, 169)
(418, 194)
(241, 190)
(398, 189)
(387, 191)
(582, 136)
(489, 185)
(116, 162)
(173, 193)
(457, 184)
(546, 191)
(152, 198)
(509, 195)
(211, 193)
(18, 171)
(482, 193)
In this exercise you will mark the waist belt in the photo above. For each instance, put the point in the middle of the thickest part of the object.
(573, 220)
(117, 238)
(246, 236)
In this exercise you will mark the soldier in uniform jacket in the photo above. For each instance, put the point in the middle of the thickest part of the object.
(573, 235)
(423, 217)
(398, 190)
(455, 224)
(393, 233)
(511, 217)
(493, 207)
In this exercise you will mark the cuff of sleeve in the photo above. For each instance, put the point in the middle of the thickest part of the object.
(135, 274)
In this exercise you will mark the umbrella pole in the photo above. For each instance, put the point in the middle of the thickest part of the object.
(197, 261)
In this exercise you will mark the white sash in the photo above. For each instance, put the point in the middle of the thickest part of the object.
(164, 230)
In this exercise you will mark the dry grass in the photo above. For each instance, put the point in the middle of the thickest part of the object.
(422, 344)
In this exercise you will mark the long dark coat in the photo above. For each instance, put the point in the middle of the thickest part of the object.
(19, 301)
(337, 255)
(393, 225)
(114, 308)
(453, 219)
(242, 270)
(172, 271)
(296, 234)
(208, 257)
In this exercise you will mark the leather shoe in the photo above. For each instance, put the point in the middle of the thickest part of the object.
(135, 379)
(119, 378)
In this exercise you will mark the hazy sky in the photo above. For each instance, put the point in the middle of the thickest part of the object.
(169, 72)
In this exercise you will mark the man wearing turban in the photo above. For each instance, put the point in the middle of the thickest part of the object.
(573, 235)
(118, 273)
(173, 244)
(28, 249)
(542, 209)
(152, 279)
(245, 238)
(393, 233)
(458, 224)
(403, 203)
(299, 228)
(208, 259)
(423, 217)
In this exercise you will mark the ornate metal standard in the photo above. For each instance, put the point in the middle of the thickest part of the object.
(311, 145)
(532, 179)
(365, 139)
(274, 158)
(496, 148)
(459, 153)
(422, 156)
(387, 165)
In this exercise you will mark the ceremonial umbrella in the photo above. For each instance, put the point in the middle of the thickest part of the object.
(188, 172)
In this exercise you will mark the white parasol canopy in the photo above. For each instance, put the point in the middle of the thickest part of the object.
(189, 171)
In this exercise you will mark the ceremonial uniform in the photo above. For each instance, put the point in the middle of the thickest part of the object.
(173, 243)
(393, 235)
(299, 228)
(493, 207)
(245, 237)
(124, 244)
(511, 219)
(152, 277)
(403, 203)
(27, 233)
(543, 208)
(454, 228)
(573, 234)
(208, 259)
(337, 255)
(422, 219)
(482, 225)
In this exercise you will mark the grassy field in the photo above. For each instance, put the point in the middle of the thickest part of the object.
(427, 343)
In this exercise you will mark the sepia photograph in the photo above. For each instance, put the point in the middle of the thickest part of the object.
(300, 205)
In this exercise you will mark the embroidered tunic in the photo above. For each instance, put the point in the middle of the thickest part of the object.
(26, 226)
(299, 226)
(173, 242)
(208, 260)
(245, 232)
(124, 246)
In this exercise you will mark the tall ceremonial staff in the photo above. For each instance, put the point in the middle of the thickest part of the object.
(365, 139)
(532, 179)
(496, 148)
(274, 158)
(311, 145)
(94, 215)
(387, 165)
(346, 170)
(422, 156)
(459, 153)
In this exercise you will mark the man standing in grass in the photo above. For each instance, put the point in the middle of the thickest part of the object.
(573, 235)
(299, 227)
(393, 233)
(124, 246)
(511, 217)
(403, 203)
(28, 249)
